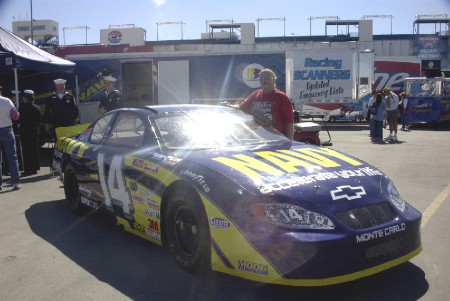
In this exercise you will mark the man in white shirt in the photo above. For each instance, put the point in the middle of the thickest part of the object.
(391, 100)
(8, 113)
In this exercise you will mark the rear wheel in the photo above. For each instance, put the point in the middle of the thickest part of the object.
(187, 231)
(71, 191)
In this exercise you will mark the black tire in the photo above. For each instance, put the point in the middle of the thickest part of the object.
(187, 231)
(332, 119)
(71, 191)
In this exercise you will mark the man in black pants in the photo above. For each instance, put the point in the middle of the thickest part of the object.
(30, 116)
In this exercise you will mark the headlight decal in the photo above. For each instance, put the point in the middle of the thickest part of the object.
(293, 217)
(395, 198)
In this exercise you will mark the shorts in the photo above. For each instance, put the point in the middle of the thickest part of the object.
(391, 116)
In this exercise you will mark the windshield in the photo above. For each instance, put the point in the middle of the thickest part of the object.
(213, 129)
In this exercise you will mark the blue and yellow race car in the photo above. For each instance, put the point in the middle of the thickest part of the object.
(225, 193)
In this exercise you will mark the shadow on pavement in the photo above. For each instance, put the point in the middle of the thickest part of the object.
(143, 271)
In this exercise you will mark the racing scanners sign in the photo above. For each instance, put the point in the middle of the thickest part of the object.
(321, 75)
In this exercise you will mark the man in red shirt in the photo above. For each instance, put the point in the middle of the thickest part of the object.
(270, 106)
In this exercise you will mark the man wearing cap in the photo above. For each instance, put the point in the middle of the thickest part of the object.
(30, 116)
(8, 113)
(111, 99)
(60, 108)
(391, 100)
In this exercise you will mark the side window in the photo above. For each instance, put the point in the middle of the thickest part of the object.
(127, 131)
(100, 128)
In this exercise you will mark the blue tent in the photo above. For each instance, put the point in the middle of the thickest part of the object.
(16, 53)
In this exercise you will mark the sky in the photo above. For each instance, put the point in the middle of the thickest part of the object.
(301, 17)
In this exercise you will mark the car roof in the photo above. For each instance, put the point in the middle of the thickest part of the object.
(158, 109)
(163, 109)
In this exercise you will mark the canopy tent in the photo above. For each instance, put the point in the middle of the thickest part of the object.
(17, 54)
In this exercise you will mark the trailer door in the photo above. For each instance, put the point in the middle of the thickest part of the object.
(173, 82)
(137, 83)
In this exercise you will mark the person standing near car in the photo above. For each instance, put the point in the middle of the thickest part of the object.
(60, 108)
(404, 111)
(270, 106)
(378, 118)
(8, 113)
(30, 116)
(391, 100)
(111, 99)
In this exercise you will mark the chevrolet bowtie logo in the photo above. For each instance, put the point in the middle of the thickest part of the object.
(347, 192)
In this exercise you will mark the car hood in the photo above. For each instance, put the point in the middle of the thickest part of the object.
(291, 169)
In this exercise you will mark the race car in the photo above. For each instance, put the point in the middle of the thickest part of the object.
(224, 193)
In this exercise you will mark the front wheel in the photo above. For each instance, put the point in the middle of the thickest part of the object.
(187, 231)
(71, 191)
(332, 119)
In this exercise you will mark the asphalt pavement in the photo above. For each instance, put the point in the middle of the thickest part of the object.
(47, 253)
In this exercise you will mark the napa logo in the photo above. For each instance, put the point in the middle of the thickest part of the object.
(250, 75)
(114, 37)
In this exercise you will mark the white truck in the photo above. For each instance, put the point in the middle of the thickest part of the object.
(322, 81)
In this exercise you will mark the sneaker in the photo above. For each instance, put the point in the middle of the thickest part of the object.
(1, 188)
(17, 187)
(388, 138)
(394, 138)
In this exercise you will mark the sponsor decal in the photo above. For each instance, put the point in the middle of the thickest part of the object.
(145, 193)
(150, 168)
(251, 267)
(153, 205)
(152, 213)
(219, 223)
(199, 179)
(139, 227)
(138, 163)
(250, 75)
(71, 146)
(139, 199)
(376, 234)
(423, 108)
(277, 163)
(85, 190)
(89, 203)
(171, 160)
(153, 234)
(145, 165)
(294, 181)
(133, 186)
(153, 229)
(159, 156)
(347, 192)
(114, 37)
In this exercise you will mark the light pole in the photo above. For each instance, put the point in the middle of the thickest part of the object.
(379, 17)
(169, 23)
(218, 21)
(272, 19)
(74, 28)
(320, 18)
(31, 22)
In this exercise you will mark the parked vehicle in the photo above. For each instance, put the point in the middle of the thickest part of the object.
(428, 99)
(354, 116)
(224, 193)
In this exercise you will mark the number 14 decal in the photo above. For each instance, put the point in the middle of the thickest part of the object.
(113, 185)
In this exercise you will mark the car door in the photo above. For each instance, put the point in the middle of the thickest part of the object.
(128, 138)
(84, 158)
